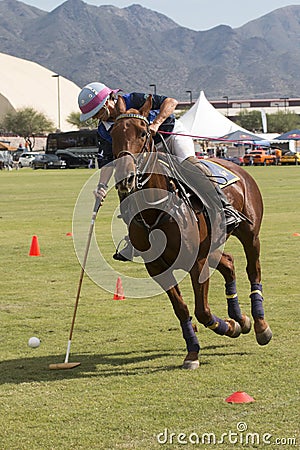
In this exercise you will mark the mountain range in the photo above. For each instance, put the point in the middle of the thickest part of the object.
(134, 47)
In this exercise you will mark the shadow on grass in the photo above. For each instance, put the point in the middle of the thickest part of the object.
(26, 370)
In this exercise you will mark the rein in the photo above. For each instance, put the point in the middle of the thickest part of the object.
(207, 138)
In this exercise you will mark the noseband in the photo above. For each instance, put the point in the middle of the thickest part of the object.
(133, 116)
(145, 148)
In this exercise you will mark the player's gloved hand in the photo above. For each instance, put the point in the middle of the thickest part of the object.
(153, 127)
(100, 192)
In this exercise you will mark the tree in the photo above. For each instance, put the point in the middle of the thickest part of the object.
(279, 122)
(282, 121)
(251, 120)
(74, 119)
(27, 122)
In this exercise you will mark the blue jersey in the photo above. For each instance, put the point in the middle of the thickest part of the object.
(134, 100)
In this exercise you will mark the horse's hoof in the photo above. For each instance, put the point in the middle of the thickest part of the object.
(234, 330)
(246, 324)
(190, 365)
(191, 361)
(264, 337)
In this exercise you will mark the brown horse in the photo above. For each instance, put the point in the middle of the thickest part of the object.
(174, 234)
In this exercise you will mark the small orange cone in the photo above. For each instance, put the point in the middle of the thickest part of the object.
(119, 292)
(69, 234)
(34, 248)
(239, 397)
(296, 234)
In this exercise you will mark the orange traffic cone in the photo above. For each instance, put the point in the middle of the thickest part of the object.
(119, 292)
(34, 248)
(239, 397)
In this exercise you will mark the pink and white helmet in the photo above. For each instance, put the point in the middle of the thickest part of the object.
(92, 98)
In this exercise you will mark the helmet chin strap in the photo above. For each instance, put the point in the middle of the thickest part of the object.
(107, 111)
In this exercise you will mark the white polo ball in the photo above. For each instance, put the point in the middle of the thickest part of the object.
(34, 342)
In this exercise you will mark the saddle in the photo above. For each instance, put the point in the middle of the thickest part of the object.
(198, 183)
(188, 181)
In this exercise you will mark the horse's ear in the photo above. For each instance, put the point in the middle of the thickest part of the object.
(121, 105)
(145, 109)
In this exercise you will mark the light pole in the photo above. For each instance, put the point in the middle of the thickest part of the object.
(227, 105)
(285, 102)
(154, 88)
(58, 98)
(241, 106)
(191, 96)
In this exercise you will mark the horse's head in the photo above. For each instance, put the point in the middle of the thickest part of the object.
(130, 138)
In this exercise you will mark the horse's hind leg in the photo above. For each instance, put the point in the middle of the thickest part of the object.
(228, 327)
(227, 269)
(251, 246)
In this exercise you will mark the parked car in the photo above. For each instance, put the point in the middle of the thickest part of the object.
(75, 159)
(48, 162)
(201, 155)
(290, 158)
(6, 160)
(199, 152)
(26, 158)
(259, 158)
(235, 159)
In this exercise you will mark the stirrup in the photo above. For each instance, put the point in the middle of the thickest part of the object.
(232, 219)
(126, 254)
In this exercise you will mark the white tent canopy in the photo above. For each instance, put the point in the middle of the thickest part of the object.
(27, 84)
(204, 121)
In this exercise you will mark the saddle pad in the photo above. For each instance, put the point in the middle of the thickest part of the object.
(222, 175)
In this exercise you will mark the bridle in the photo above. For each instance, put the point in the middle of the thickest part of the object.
(148, 147)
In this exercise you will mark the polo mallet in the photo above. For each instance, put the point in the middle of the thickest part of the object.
(66, 364)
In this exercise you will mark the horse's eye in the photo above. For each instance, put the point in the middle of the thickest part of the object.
(143, 134)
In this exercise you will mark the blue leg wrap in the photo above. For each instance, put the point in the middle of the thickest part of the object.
(190, 337)
(257, 309)
(219, 326)
(233, 306)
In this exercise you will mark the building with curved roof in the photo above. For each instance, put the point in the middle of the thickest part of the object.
(27, 84)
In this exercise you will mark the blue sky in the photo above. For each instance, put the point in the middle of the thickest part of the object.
(193, 14)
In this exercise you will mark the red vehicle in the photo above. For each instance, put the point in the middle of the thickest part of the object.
(201, 155)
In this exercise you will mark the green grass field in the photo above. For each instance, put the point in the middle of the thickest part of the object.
(130, 387)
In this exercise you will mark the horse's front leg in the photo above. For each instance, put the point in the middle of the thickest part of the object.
(200, 280)
(191, 360)
(181, 311)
